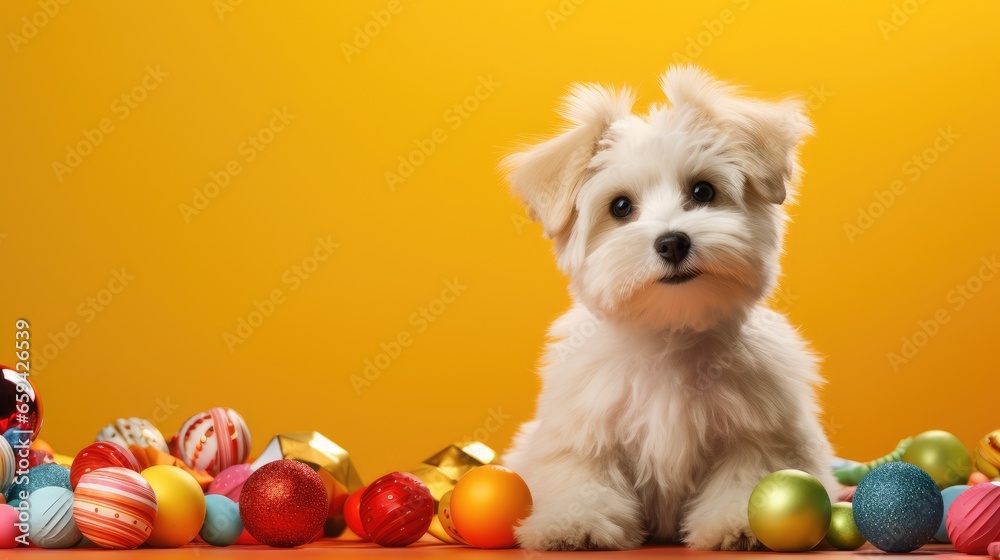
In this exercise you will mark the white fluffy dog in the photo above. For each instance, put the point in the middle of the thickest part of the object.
(669, 389)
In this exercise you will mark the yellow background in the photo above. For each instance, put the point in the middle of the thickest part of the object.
(878, 96)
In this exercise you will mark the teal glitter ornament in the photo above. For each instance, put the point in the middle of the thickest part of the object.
(39, 477)
(898, 507)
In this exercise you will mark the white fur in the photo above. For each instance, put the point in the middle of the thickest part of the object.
(664, 404)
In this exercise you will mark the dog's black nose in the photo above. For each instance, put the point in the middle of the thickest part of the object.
(673, 246)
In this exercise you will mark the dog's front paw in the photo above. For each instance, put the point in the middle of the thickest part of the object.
(575, 532)
(720, 535)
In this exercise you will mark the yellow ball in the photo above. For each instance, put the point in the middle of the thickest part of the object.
(843, 534)
(941, 455)
(486, 505)
(180, 506)
(789, 511)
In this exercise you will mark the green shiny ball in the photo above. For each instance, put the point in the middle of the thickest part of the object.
(843, 534)
(789, 511)
(941, 455)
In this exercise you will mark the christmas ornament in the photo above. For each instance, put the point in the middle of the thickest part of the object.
(181, 506)
(852, 475)
(127, 432)
(977, 478)
(843, 534)
(486, 505)
(222, 521)
(352, 513)
(396, 509)
(50, 518)
(37, 478)
(948, 496)
(214, 440)
(330, 461)
(9, 531)
(898, 507)
(987, 455)
(447, 521)
(20, 407)
(973, 520)
(229, 482)
(941, 455)
(151, 457)
(8, 463)
(264, 503)
(443, 470)
(38, 457)
(99, 455)
(114, 507)
(789, 511)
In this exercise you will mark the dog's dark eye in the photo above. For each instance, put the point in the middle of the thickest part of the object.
(703, 191)
(621, 207)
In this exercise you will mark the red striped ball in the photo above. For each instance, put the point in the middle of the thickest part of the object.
(114, 507)
(284, 503)
(397, 509)
(99, 455)
(214, 440)
(973, 520)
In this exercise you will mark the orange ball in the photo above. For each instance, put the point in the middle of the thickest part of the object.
(977, 478)
(486, 505)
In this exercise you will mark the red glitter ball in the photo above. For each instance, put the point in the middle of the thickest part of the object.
(284, 504)
(99, 455)
(397, 509)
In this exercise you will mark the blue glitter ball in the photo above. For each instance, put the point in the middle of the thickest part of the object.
(39, 477)
(898, 507)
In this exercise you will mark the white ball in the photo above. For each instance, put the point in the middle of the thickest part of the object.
(50, 518)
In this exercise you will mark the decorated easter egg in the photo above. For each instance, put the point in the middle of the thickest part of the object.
(223, 525)
(50, 518)
(987, 455)
(488, 503)
(973, 520)
(9, 527)
(37, 478)
(7, 466)
(133, 431)
(20, 407)
(99, 455)
(180, 506)
(114, 507)
(214, 440)
(229, 482)
(447, 520)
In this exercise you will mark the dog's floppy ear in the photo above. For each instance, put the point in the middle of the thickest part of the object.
(769, 133)
(548, 175)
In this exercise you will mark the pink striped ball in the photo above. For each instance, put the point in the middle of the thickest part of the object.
(973, 520)
(114, 507)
